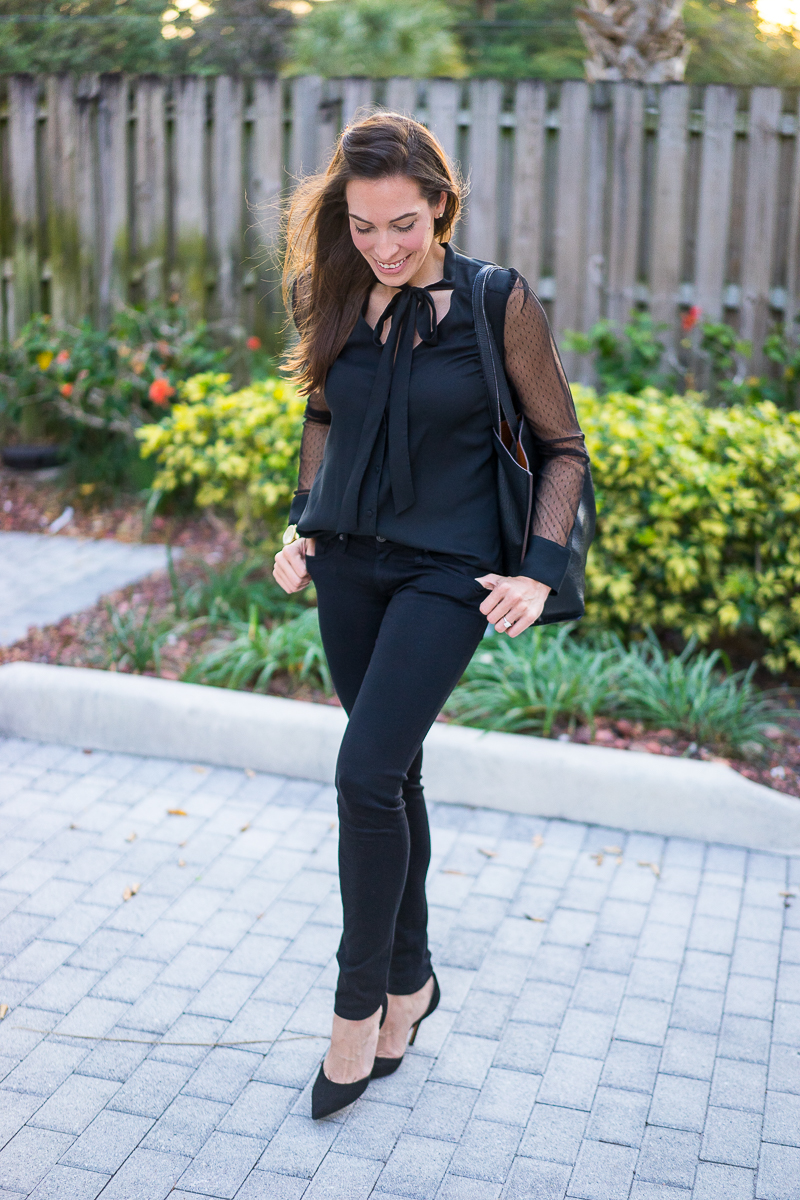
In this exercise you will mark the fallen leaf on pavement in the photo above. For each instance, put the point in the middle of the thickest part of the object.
(250, 774)
(182, 844)
(200, 770)
(131, 837)
(654, 867)
(451, 871)
(598, 858)
(537, 840)
(181, 862)
(539, 920)
(245, 828)
(613, 849)
(3, 1010)
(131, 891)
(788, 895)
(487, 853)
(177, 812)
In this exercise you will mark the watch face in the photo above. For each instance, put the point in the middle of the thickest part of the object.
(290, 535)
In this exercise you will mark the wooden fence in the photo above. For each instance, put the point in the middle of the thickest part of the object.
(605, 196)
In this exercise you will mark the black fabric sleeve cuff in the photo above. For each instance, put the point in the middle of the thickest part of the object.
(298, 507)
(546, 562)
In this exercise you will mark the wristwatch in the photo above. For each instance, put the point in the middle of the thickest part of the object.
(290, 535)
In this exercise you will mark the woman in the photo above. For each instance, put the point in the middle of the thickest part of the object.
(395, 519)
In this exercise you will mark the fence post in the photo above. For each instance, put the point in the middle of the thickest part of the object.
(486, 96)
(266, 182)
(714, 200)
(665, 259)
(526, 200)
(226, 194)
(150, 191)
(306, 93)
(63, 225)
(189, 125)
(401, 96)
(443, 114)
(793, 248)
(570, 207)
(112, 207)
(356, 98)
(626, 183)
(595, 217)
(22, 119)
(760, 216)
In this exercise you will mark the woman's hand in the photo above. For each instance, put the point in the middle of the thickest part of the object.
(290, 565)
(514, 602)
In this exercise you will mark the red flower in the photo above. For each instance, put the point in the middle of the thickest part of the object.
(66, 390)
(253, 343)
(160, 391)
(689, 319)
(62, 357)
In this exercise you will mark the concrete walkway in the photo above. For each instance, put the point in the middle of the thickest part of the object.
(615, 1022)
(44, 578)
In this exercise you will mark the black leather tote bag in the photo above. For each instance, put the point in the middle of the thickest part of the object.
(517, 470)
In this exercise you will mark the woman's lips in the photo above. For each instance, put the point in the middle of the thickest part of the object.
(392, 268)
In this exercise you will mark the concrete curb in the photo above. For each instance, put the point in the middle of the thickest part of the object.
(616, 788)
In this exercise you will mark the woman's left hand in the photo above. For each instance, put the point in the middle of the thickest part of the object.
(514, 602)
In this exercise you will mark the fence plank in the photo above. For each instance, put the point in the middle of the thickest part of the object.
(112, 204)
(356, 99)
(443, 114)
(626, 182)
(665, 269)
(401, 95)
(227, 194)
(266, 183)
(714, 201)
(189, 137)
(486, 97)
(22, 153)
(570, 185)
(86, 95)
(793, 247)
(150, 188)
(760, 215)
(595, 222)
(63, 228)
(525, 242)
(304, 149)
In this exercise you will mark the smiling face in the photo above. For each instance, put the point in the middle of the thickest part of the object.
(391, 224)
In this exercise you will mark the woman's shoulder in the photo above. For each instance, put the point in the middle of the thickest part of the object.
(501, 282)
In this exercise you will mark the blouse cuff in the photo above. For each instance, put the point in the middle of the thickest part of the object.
(298, 507)
(546, 562)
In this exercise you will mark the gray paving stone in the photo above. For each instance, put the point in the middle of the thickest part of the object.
(698, 1010)
(371, 1130)
(679, 1103)
(465, 1060)
(259, 1110)
(222, 1165)
(732, 1137)
(752, 957)
(484, 1014)
(784, 1069)
(107, 1142)
(618, 1116)
(611, 952)
(340, 1175)
(299, 1146)
(74, 1104)
(146, 1175)
(749, 996)
(786, 1026)
(222, 1074)
(745, 1038)
(507, 1097)
(531, 1179)
(668, 1156)
(599, 991)
(778, 1173)
(657, 1191)
(630, 1065)
(67, 1183)
(265, 1185)
(459, 1187)
(416, 1167)
(643, 1021)
(782, 1119)
(585, 1033)
(150, 1089)
(739, 1085)
(185, 1126)
(28, 1156)
(715, 1182)
(652, 979)
(441, 1112)
(602, 1172)
(525, 1047)
(44, 1069)
(689, 1053)
(553, 1134)
(486, 1151)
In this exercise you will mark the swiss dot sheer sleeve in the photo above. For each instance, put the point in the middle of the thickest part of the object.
(316, 423)
(534, 368)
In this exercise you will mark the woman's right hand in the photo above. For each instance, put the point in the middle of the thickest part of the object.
(290, 565)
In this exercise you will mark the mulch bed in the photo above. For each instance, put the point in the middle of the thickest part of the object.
(81, 640)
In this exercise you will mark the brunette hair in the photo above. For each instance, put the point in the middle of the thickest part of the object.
(325, 278)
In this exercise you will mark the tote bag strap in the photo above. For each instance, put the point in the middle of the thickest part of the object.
(500, 402)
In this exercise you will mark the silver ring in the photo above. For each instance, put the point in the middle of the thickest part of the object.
(507, 623)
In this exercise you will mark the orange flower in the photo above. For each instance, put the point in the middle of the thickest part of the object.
(689, 319)
(62, 357)
(66, 390)
(160, 391)
(253, 343)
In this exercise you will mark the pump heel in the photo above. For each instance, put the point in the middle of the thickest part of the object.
(387, 1066)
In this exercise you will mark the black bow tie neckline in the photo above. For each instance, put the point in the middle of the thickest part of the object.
(411, 310)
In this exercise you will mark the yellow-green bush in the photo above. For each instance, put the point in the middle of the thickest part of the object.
(237, 449)
(698, 518)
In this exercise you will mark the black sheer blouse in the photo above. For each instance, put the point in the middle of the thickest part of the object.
(401, 447)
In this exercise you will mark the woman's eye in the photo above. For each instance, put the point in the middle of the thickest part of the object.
(361, 230)
(405, 228)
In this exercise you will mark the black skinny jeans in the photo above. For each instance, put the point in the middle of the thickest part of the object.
(399, 627)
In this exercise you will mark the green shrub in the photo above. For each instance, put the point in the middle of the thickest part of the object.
(235, 449)
(697, 525)
(255, 654)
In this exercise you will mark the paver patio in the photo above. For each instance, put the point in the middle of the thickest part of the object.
(44, 578)
(605, 1031)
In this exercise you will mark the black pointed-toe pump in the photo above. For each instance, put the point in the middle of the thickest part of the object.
(387, 1066)
(328, 1097)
